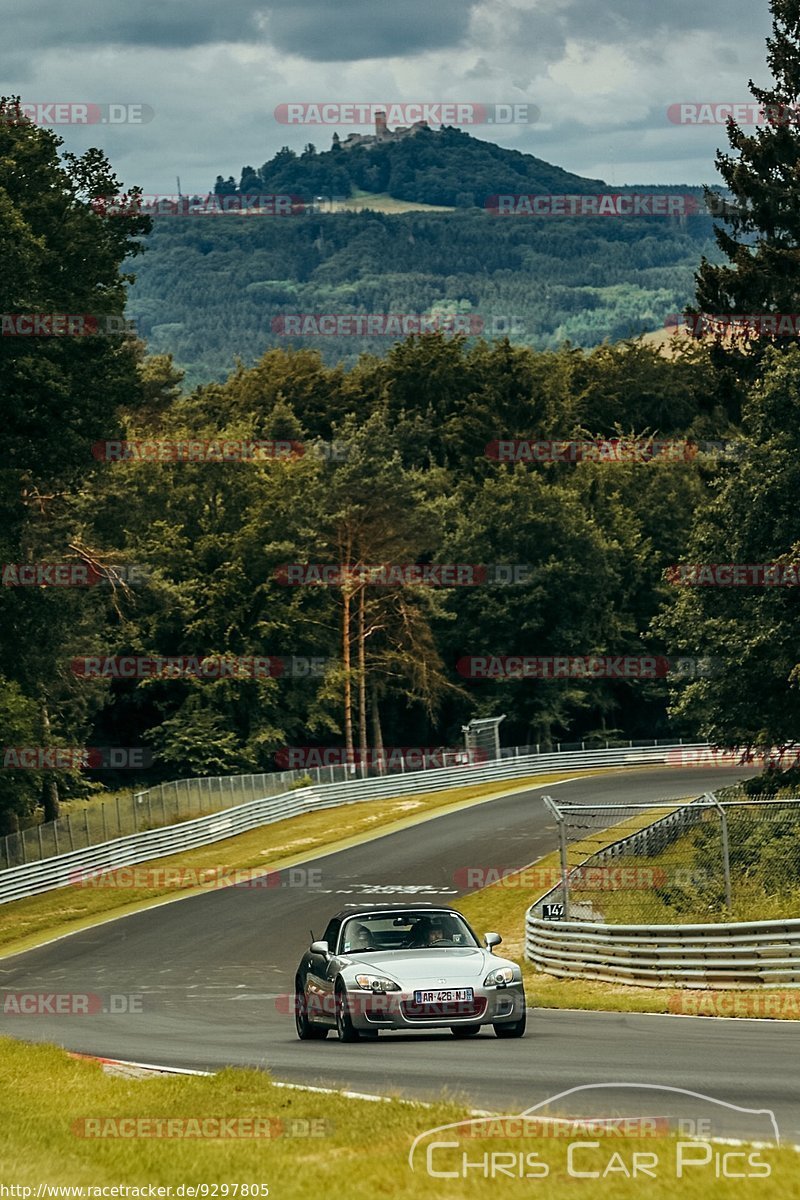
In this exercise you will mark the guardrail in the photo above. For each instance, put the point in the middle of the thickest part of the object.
(746, 954)
(62, 870)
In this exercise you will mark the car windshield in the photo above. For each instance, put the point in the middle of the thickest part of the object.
(412, 930)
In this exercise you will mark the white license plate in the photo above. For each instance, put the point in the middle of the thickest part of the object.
(443, 996)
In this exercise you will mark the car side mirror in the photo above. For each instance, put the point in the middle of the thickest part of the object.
(492, 939)
(320, 948)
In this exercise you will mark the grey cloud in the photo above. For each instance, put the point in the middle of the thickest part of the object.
(320, 30)
(325, 32)
(156, 23)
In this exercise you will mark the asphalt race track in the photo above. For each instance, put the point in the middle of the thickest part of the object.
(208, 980)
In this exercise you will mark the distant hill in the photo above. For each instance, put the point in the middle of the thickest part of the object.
(412, 236)
(445, 167)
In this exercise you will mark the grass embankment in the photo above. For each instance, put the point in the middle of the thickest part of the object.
(60, 1116)
(270, 847)
(765, 875)
(382, 202)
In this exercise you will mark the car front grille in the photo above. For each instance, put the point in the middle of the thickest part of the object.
(457, 1009)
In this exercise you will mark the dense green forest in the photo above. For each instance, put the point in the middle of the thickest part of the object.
(384, 458)
(212, 289)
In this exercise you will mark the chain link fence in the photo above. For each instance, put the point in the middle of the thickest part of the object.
(671, 862)
(180, 800)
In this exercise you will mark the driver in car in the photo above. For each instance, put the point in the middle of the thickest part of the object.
(360, 939)
(426, 934)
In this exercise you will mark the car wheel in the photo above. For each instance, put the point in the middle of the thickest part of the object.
(345, 1029)
(511, 1028)
(461, 1031)
(306, 1031)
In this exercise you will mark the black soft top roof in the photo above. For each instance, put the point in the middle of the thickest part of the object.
(354, 910)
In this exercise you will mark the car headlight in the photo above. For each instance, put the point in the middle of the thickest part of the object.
(377, 983)
(499, 977)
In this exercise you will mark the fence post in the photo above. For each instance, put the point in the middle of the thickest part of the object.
(41, 851)
(69, 831)
(562, 845)
(119, 818)
(86, 825)
(726, 849)
(149, 810)
(105, 826)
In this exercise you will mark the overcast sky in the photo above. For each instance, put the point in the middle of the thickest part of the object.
(603, 75)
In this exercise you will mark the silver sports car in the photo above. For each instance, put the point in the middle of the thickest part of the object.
(387, 967)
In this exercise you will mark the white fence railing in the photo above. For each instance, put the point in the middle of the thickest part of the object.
(62, 870)
(107, 819)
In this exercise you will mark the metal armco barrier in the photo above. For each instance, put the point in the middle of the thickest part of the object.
(744, 954)
(62, 870)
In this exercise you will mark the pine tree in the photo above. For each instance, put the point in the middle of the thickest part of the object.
(762, 243)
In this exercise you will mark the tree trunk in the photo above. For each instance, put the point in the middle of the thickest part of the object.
(362, 680)
(348, 688)
(50, 800)
(377, 732)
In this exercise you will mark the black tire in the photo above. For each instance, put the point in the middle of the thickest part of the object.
(306, 1030)
(462, 1031)
(345, 1029)
(512, 1029)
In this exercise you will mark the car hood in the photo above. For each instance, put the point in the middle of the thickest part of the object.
(429, 966)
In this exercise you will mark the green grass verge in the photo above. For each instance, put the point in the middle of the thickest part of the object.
(765, 885)
(341, 1147)
(24, 923)
(383, 202)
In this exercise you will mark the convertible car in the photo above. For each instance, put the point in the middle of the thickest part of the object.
(389, 967)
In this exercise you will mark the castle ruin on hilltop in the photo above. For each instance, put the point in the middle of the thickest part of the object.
(382, 134)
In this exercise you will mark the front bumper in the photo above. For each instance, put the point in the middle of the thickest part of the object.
(397, 1010)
